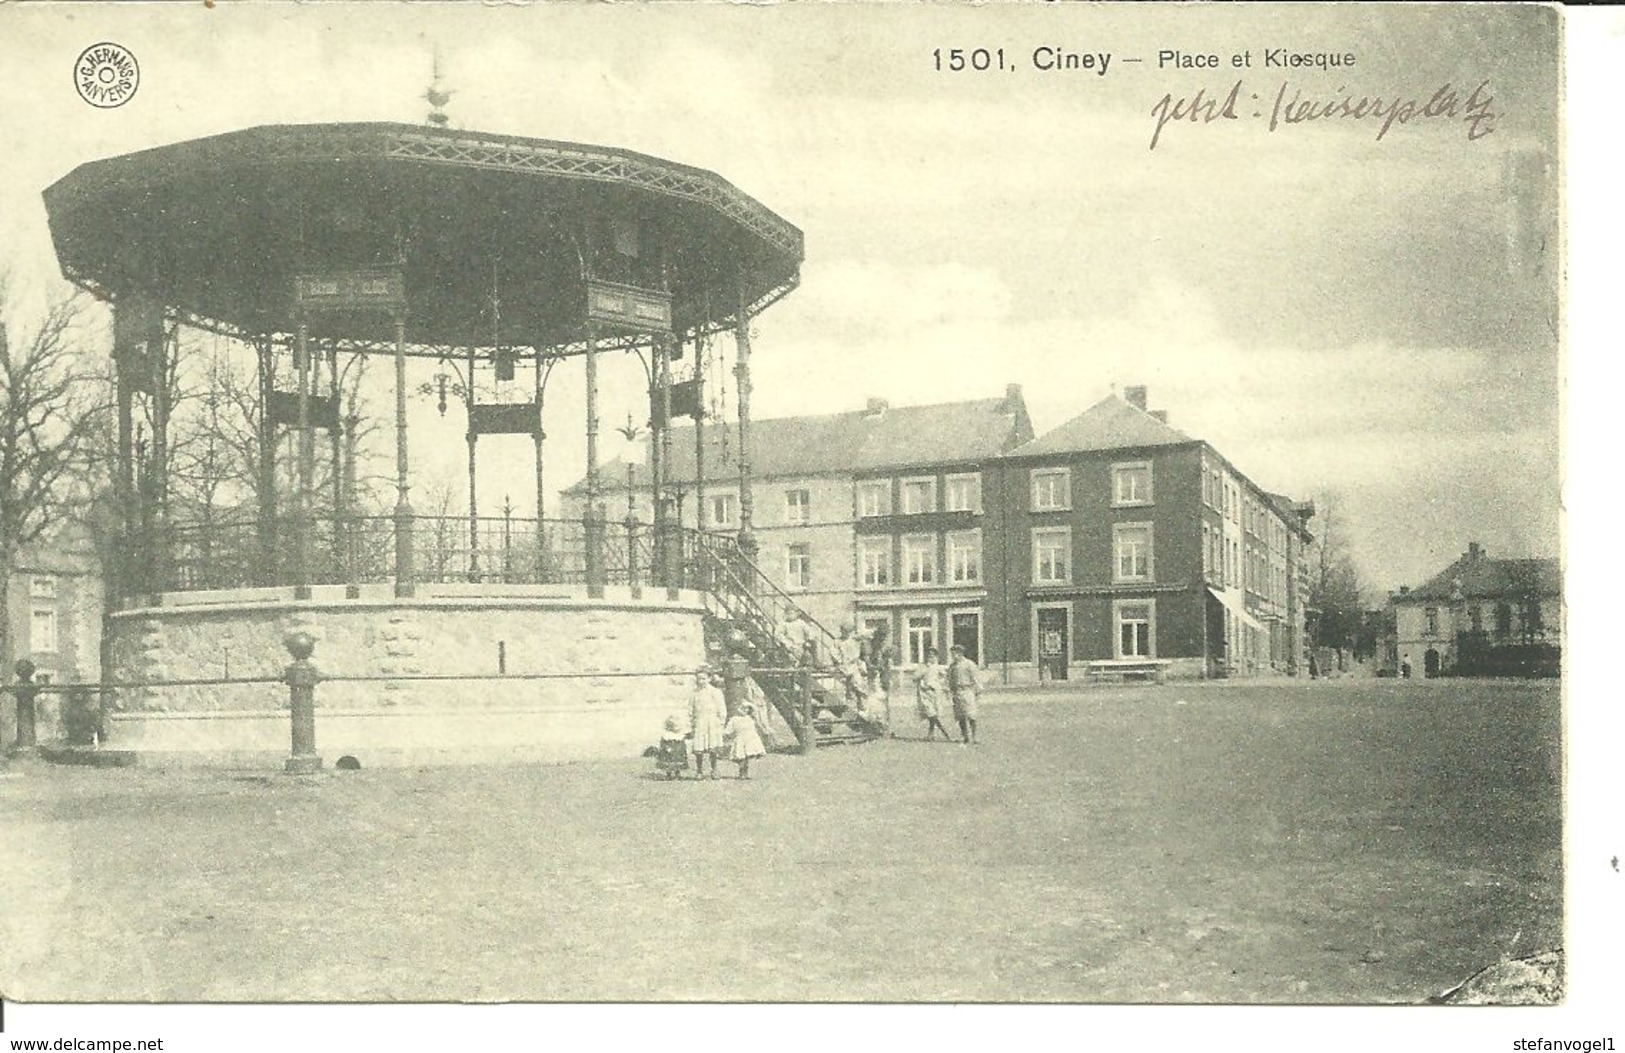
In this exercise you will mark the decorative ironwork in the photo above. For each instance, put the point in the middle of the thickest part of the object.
(627, 307)
(364, 290)
(578, 161)
(504, 418)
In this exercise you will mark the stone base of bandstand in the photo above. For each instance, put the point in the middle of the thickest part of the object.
(554, 674)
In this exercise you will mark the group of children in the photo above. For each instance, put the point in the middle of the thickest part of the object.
(711, 732)
(956, 682)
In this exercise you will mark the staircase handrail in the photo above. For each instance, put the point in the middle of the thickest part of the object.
(736, 556)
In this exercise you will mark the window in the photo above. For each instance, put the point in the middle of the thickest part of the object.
(919, 496)
(1503, 619)
(1132, 543)
(1432, 616)
(42, 632)
(1052, 489)
(1131, 483)
(874, 498)
(920, 559)
(874, 561)
(1052, 556)
(798, 566)
(1475, 615)
(1534, 622)
(724, 510)
(1134, 630)
(964, 493)
(922, 636)
(797, 506)
(965, 557)
(41, 587)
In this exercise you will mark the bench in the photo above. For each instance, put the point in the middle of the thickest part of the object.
(1123, 669)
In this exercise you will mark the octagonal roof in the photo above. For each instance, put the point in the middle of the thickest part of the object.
(218, 227)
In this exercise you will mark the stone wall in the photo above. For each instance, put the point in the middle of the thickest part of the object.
(552, 673)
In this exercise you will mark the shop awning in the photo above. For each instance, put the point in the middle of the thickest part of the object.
(1235, 604)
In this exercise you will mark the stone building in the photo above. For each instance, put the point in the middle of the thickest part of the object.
(826, 488)
(1483, 616)
(55, 621)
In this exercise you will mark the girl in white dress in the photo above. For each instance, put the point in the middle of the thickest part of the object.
(708, 715)
(744, 741)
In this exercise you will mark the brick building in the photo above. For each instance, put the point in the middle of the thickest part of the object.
(1119, 542)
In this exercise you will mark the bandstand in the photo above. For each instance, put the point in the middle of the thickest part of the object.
(314, 246)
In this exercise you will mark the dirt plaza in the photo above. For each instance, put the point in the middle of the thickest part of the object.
(1291, 842)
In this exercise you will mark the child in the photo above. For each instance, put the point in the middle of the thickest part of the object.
(672, 757)
(744, 741)
(931, 683)
(707, 716)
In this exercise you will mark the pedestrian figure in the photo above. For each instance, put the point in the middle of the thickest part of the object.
(707, 716)
(671, 756)
(849, 660)
(964, 684)
(744, 741)
(930, 688)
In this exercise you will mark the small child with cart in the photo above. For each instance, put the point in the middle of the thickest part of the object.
(671, 756)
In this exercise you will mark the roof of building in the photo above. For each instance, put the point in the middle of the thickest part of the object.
(1476, 576)
(1109, 424)
(844, 443)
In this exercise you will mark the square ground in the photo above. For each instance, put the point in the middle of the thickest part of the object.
(1365, 842)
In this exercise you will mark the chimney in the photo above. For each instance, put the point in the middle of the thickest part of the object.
(1135, 396)
(877, 407)
(1161, 415)
(1473, 551)
(1012, 397)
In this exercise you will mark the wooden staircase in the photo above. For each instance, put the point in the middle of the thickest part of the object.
(791, 654)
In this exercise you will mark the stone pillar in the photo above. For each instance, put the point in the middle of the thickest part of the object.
(25, 692)
(307, 466)
(301, 677)
(405, 578)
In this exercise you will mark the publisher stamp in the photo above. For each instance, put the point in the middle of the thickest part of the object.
(106, 75)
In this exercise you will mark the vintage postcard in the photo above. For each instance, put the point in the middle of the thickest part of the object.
(803, 503)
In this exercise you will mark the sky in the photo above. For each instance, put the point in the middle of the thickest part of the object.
(1334, 312)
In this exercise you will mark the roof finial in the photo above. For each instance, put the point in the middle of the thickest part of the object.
(437, 96)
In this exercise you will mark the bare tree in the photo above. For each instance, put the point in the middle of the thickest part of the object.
(1334, 588)
(51, 402)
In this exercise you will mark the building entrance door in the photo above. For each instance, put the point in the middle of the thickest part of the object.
(1052, 643)
(965, 630)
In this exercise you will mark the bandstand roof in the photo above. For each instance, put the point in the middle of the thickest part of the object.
(218, 227)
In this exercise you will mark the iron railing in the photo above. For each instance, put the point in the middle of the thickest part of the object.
(361, 550)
